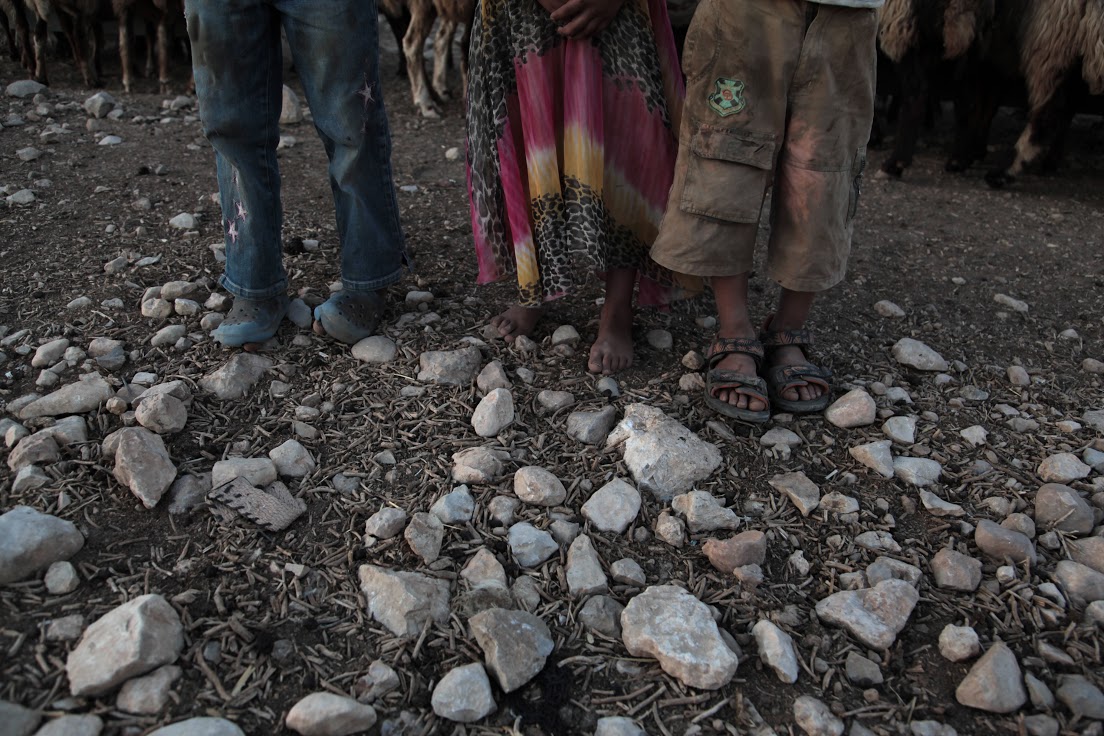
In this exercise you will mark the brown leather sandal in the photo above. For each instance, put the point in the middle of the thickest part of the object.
(781, 378)
(717, 379)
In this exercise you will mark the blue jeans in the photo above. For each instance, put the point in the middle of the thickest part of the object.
(236, 54)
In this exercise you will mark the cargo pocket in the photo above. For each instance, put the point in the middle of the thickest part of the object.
(727, 174)
(858, 165)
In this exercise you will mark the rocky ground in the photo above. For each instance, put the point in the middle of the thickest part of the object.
(434, 532)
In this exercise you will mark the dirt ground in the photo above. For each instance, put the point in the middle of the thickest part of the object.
(939, 246)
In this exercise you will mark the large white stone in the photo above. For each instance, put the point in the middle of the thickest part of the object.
(875, 455)
(916, 354)
(127, 641)
(464, 694)
(404, 601)
(292, 460)
(994, 683)
(329, 714)
(613, 506)
(663, 456)
(31, 541)
(514, 643)
(143, 465)
(202, 726)
(670, 624)
(75, 398)
(539, 487)
(856, 408)
(874, 615)
(776, 649)
(235, 379)
(494, 413)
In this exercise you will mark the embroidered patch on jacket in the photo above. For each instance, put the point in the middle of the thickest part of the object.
(728, 98)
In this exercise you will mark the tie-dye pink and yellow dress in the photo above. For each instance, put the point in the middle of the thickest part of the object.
(571, 147)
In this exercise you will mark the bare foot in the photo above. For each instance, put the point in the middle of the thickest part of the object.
(517, 321)
(792, 355)
(742, 364)
(612, 351)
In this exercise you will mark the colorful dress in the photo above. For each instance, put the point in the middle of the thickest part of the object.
(571, 147)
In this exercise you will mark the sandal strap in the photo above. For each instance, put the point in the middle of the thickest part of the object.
(722, 346)
(783, 377)
(782, 338)
(741, 383)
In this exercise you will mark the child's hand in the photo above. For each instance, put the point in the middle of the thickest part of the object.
(581, 19)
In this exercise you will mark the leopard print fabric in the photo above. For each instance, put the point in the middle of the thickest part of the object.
(574, 233)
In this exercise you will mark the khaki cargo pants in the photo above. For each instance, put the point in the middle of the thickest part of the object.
(778, 92)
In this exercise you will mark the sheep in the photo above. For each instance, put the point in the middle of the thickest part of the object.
(422, 13)
(1061, 50)
(920, 37)
(79, 21)
(19, 37)
(160, 13)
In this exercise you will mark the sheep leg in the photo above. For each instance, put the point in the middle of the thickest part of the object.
(976, 100)
(442, 51)
(421, 21)
(914, 73)
(41, 41)
(163, 77)
(124, 47)
(399, 25)
(1046, 124)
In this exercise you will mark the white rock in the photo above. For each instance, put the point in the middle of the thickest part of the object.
(975, 435)
(72, 725)
(776, 649)
(184, 221)
(385, 523)
(484, 570)
(162, 413)
(875, 615)
(815, 718)
(565, 335)
(553, 401)
(584, 569)
(888, 309)
(128, 641)
(478, 465)
(901, 430)
(49, 353)
(529, 545)
(75, 398)
(99, 104)
(959, 643)
(994, 683)
(539, 487)
(1012, 303)
(375, 349)
(494, 413)
(917, 471)
(916, 354)
(804, 493)
(618, 726)
(591, 427)
(31, 541)
(875, 455)
(455, 507)
(515, 645)
(660, 339)
(1063, 467)
(677, 629)
(237, 376)
(143, 465)
(18, 720)
(202, 726)
(464, 694)
(455, 367)
(404, 601)
(613, 507)
(856, 408)
(663, 456)
(328, 714)
(491, 377)
(259, 471)
(936, 506)
(292, 460)
(704, 513)
(425, 534)
(149, 694)
(291, 111)
(61, 578)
